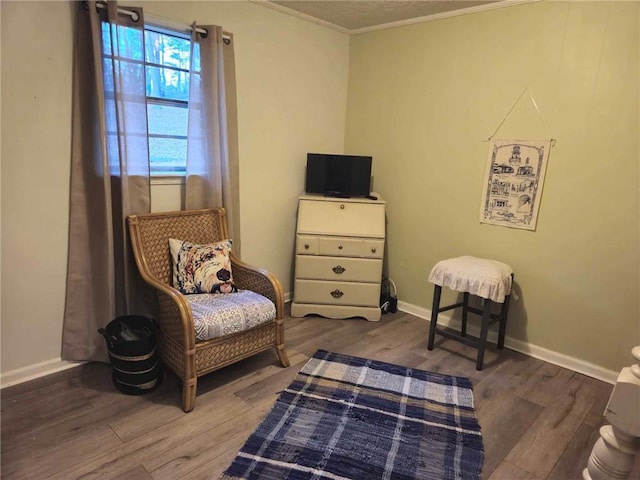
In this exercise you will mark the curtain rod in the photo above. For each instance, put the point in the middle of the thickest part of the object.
(134, 17)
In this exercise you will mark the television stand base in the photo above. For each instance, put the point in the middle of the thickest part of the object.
(336, 195)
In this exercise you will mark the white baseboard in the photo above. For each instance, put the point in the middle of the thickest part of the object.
(560, 359)
(31, 372)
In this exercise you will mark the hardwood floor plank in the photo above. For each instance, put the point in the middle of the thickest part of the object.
(21, 445)
(95, 383)
(205, 419)
(453, 358)
(50, 404)
(211, 470)
(408, 354)
(575, 457)
(540, 447)
(199, 449)
(262, 364)
(297, 330)
(602, 392)
(635, 471)
(536, 419)
(552, 385)
(338, 339)
(136, 473)
(515, 370)
(504, 418)
(161, 432)
(145, 418)
(46, 462)
(38, 384)
(270, 386)
(508, 471)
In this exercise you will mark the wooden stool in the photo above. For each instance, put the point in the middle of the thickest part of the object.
(488, 279)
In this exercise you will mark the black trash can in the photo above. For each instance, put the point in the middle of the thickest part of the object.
(131, 341)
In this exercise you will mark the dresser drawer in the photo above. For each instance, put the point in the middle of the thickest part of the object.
(341, 218)
(343, 247)
(339, 246)
(350, 247)
(338, 269)
(337, 293)
(306, 245)
(373, 248)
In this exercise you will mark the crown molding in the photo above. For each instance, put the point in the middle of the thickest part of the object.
(439, 16)
(400, 23)
(303, 16)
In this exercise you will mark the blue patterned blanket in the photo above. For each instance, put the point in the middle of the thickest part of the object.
(350, 418)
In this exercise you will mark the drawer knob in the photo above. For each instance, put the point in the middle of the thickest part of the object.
(337, 293)
(342, 206)
(339, 247)
(306, 246)
(338, 269)
(373, 250)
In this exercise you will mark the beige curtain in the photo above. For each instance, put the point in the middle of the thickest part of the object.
(109, 176)
(212, 143)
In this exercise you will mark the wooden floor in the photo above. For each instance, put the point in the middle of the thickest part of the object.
(539, 421)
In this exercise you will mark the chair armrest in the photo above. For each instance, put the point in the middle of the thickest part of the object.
(259, 280)
(176, 318)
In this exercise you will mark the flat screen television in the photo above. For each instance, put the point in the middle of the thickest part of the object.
(338, 175)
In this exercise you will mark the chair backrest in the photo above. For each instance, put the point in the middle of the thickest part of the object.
(150, 236)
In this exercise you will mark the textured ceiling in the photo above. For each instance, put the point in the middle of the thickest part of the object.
(361, 14)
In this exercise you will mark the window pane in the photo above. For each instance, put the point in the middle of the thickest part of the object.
(167, 83)
(107, 66)
(171, 82)
(167, 119)
(196, 61)
(166, 49)
(167, 154)
(106, 39)
(130, 42)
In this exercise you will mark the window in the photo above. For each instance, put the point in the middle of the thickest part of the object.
(167, 70)
(166, 61)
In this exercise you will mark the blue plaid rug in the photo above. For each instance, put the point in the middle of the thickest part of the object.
(349, 418)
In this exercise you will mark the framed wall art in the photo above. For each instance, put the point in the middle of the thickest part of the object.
(513, 182)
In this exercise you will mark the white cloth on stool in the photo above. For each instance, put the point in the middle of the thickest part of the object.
(479, 276)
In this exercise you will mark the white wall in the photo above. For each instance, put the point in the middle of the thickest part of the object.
(292, 84)
(36, 115)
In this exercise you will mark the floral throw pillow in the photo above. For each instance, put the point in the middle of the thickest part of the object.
(202, 268)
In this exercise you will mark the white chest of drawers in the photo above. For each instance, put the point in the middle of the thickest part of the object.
(339, 252)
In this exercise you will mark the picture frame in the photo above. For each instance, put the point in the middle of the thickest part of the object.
(513, 183)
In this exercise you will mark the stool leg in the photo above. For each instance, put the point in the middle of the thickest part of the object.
(465, 306)
(504, 314)
(484, 330)
(434, 315)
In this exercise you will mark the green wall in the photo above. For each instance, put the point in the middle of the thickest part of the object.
(424, 98)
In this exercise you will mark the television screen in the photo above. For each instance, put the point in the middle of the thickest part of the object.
(338, 175)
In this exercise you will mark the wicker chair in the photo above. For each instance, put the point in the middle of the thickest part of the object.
(177, 344)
